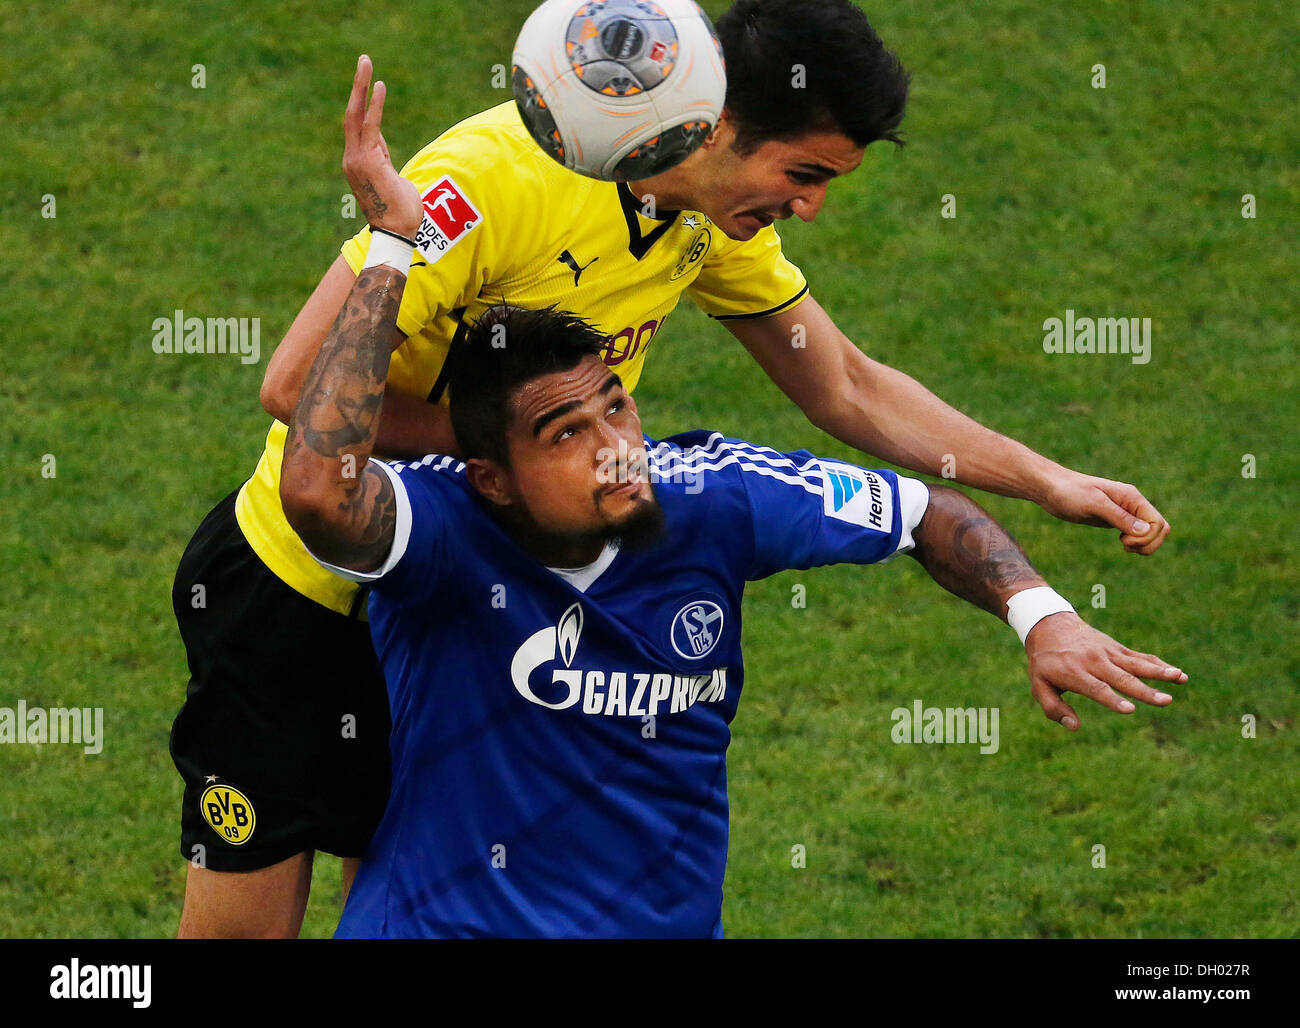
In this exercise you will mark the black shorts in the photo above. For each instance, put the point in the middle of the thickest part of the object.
(283, 738)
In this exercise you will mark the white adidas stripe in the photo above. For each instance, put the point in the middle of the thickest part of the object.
(717, 453)
(427, 461)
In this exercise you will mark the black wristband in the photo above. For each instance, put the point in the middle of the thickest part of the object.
(395, 235)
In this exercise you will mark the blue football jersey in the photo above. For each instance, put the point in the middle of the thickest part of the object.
(559, 737)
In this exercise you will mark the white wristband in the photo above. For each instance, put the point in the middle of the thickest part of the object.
(389, 249)
(1029, 606)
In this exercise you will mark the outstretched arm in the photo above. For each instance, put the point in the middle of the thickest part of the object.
(972, 556)
(884, 412)
(342, 507)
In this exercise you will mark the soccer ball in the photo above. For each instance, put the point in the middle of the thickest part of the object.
(619, 89)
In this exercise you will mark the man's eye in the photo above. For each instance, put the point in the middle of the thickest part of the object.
(617, 405)
(565, 433)
(801, 178)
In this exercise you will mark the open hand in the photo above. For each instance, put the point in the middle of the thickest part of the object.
(387, 200)
(1066, 654)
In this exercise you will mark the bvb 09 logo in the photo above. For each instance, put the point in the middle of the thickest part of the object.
(700, 243)
(229, 813)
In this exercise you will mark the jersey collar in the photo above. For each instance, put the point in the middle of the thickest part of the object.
(584, 577)
(639, 244)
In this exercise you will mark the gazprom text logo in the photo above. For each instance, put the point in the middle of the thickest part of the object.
(696, 629)
(550, 652)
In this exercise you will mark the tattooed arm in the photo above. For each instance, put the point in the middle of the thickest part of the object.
(972, 556)
(342, 508)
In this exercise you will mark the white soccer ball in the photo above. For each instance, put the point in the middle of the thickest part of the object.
(619, 89)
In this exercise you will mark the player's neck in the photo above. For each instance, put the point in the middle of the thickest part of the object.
(671, 190)
(554, 550)
(569, 557)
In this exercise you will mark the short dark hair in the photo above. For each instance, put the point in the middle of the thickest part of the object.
(502, 350)
(852, 84)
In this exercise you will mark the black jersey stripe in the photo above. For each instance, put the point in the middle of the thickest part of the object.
(458, 337)
(761, 314)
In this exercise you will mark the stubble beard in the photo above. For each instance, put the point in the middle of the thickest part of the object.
(641, 529)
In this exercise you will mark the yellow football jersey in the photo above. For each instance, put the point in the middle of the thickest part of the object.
(503, 222)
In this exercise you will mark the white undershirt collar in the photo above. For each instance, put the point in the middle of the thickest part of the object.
(582, 578)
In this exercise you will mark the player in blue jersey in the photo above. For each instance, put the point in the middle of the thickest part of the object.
(558, 618)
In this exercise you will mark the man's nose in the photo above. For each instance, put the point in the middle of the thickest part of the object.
(608, 437)
(807, 205)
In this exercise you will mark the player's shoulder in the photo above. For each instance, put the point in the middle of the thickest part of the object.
(707, 460)
(765, 243)
(492, 142)
(436, 475)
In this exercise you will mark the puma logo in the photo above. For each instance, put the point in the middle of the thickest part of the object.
(567, 258)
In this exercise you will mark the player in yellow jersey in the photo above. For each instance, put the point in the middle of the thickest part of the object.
(282, 741)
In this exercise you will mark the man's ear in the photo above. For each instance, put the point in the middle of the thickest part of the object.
(493, 481)
(723, 132)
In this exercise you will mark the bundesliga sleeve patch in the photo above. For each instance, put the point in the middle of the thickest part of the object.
(858, 497)
(448, 218)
